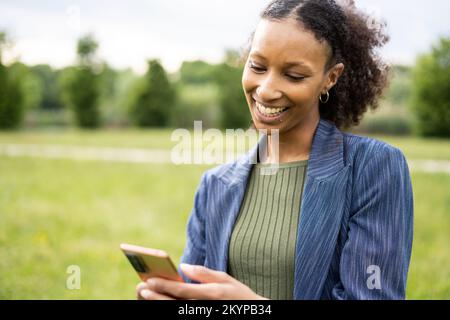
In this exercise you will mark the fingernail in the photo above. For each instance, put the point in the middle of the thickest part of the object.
(145, 294)
(150, 282)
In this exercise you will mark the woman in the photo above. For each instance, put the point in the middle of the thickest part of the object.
(336, 220)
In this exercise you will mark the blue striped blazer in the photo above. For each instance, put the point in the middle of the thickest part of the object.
(356, 219)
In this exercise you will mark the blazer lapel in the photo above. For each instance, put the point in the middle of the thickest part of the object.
(321, 211)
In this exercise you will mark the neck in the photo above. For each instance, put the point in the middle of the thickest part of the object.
(295, 144)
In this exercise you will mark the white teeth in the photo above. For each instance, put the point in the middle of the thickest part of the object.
(269, 111)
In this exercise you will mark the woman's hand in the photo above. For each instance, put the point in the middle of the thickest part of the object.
(214, 285)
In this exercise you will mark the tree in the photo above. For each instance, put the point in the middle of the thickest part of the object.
(431, 83)
(234, 111)
(3, 44)
(11, 100)
(400, 89)
(11, 93)
(48, 78)
(81, 94)
(196, 72)
(30, 84)
(154, 98)
(86, 49)
(81, 85)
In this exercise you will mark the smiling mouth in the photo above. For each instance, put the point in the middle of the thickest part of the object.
(270, 112)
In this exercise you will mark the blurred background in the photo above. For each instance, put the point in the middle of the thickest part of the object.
(91, 91)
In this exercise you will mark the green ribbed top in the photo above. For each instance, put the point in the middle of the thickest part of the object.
(262, 245)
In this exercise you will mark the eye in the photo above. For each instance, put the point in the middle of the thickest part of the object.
(295, 78)
(256, 68)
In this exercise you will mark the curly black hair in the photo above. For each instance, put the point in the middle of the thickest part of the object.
(354, 38)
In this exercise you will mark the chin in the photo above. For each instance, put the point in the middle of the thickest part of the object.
(268, 127)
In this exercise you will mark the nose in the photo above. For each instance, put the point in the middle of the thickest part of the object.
(267, 89)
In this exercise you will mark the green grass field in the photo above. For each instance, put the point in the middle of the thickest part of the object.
(57, 213)
(414, 148)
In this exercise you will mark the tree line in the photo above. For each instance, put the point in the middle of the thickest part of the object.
(91, 94)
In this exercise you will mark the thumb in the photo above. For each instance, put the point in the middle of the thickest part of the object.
(203, 274)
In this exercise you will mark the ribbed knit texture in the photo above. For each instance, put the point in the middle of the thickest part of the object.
(262, 245)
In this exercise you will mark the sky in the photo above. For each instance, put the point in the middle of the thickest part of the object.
(131, 32)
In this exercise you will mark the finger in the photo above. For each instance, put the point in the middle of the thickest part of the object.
(151, 295)
(183, 290)
(204, 275)
(140, 286)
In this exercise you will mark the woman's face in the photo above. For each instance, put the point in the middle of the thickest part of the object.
(284, 76)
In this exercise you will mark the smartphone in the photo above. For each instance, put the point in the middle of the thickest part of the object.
(150, 263)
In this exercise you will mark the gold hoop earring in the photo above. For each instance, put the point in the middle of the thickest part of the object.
(326, 100)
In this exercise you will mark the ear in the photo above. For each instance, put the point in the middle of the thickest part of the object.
(333, 76)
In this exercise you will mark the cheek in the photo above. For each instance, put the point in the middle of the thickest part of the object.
(303, 94)
(248, 81)
(298, 95)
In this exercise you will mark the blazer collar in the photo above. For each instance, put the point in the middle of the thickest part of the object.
(326, 156)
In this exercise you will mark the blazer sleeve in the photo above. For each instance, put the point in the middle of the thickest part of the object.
(375, 257)
(194, 251)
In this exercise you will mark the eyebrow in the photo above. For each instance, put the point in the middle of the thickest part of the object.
(288, 64)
